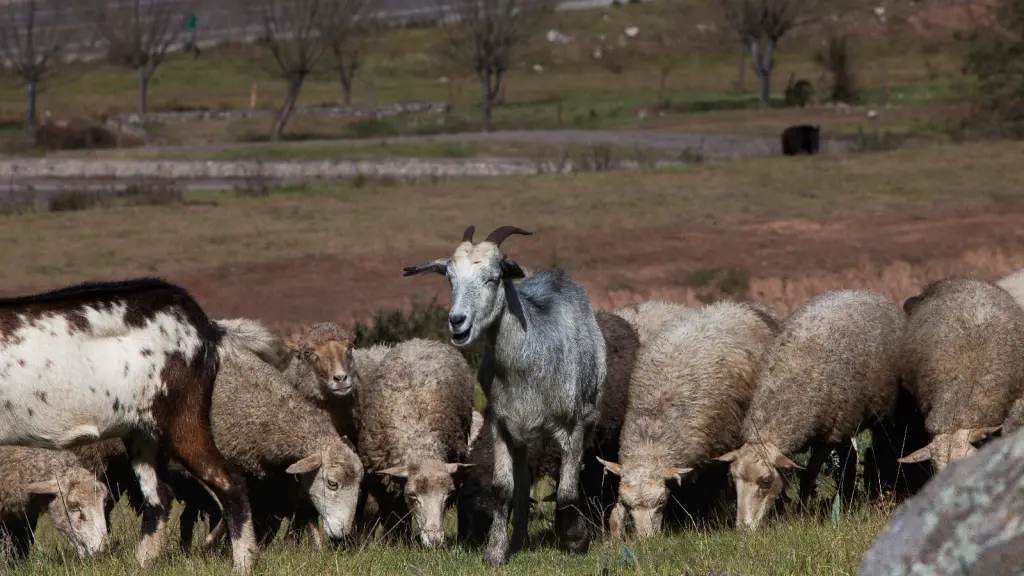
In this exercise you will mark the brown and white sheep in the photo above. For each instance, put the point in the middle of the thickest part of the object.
(963, 361)
(416, 412)
(34, 480)
(648, 318)
(831, 373)
(687, 399)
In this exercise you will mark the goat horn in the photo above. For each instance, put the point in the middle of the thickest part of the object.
(499, 235)
(467, 236)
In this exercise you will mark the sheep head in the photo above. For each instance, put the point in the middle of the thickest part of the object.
(429, 486)
(324, 353)
(477, 274)
(947, 448)
(643, 493)
(755, 469)
(76, 503)
(331, 476)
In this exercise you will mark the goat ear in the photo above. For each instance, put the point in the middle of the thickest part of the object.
(453, 467)
(48, 488)
(781, 461)
(610, 466)
(728, 456)
(396, 472)
(675, 473)
(979, 434)
(510, 270)
(922, 455)
(306, 465)
(439, 266)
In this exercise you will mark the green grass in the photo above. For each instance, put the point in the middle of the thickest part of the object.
(793, 547)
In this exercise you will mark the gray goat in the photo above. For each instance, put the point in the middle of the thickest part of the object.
(542, 371)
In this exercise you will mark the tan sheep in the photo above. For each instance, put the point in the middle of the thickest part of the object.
(1014, 284)
(831, 373)
(687, 398)
(416, 413)
(963, 361)
(648, 318)
(34, 480)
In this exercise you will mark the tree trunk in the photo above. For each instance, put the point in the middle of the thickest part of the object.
(143, 73)
(294, 85)
(741, 73)
(763, 64)
(488, 94)
(346, 86)
(31, 89)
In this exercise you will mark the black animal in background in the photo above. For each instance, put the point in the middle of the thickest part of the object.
(801, 138)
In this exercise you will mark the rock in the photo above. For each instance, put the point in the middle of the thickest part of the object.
(872, 114)
(556, 37)
(597, 53)
(632, 32)
(967, 521)
(538, 68)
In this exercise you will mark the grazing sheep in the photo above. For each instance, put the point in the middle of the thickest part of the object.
(831, 373)
(963, 360)
(648, 318)
(136, 360)
(689, 393)
(267, 429)
(801, 138)
(416, 414)
(34, 480)
(599, 490)
(542, 371)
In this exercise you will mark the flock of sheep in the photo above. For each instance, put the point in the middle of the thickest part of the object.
(643, 415)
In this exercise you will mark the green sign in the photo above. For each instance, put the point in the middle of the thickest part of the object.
(190, 23)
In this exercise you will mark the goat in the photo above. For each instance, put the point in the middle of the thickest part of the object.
(542, 372)
(135, 359)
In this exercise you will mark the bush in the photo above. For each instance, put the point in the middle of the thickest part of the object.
(799, 93)
(73, 200)
(424, 320)
(835, 59)
(80, 134)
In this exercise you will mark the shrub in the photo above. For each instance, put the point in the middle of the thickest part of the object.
(73, 200)
(994, 57)
(424, 320)
(799, 93)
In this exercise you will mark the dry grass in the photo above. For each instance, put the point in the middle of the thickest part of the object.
(379, 219)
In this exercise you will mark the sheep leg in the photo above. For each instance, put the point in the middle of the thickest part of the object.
(521, 478)
(570, 525)
(617, 521)
(502, 485)
(156, 495)
(188, 519)
(810, 476)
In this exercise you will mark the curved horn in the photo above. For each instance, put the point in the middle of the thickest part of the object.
(467, 236)
(499, 235)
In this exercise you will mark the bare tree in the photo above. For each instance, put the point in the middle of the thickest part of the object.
(34, 36)
(138, 34)
(485, 37)
(760, 24)
(295, 32)
(347, 35)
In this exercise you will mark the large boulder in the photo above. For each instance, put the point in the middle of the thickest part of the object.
(968, 521)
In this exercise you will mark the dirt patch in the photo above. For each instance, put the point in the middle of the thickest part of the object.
(782, 263)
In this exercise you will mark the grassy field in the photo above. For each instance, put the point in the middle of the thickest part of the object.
(573, 90)
(796, 547)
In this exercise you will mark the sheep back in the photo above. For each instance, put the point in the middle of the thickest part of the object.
(831, 372)
(648, 318)
(963, 354)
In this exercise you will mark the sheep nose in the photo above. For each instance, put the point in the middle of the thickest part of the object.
(339, 378)
(456, 320)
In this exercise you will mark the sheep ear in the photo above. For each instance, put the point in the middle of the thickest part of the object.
(453, 467)
(675, 473)
(979, 434)
(439, 266)
(48, 487)
(922, 455)
(306, 465)
(396, 472)
(728, 456)
(510, 270)
(610, 466)
(782, 462)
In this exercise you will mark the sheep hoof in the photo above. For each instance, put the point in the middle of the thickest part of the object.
(495, 558)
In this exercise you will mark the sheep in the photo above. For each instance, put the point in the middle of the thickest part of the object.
(687, 399)
(268, 430)
(416, 414)
(135, 359)
(34, 480)
(648, 318)
(599, 490)
(830, 373)
(542, 370)
(963, 360)
(1014, 284)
